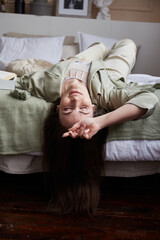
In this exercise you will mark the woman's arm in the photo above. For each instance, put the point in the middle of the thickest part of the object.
(88, 127)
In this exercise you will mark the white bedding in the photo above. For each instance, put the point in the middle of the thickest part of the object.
(27, 164)
(143, 79)
(133, 150)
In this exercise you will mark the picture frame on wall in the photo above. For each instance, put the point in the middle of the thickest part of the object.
(73, 8)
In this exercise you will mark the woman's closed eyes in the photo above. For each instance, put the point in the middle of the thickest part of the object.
(70, 109)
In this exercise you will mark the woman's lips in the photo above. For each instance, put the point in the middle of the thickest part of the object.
(75, 92)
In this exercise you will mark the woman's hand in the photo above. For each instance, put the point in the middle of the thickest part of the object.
(86, 128)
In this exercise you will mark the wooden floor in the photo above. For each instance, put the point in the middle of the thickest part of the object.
(129, 209)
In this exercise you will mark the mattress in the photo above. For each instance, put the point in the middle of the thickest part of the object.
(28, 164)
(123, 159)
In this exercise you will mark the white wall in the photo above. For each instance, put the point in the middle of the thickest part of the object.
(147, 35)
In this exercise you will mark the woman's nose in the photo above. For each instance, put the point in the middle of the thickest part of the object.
(75, 97)
(76, 102)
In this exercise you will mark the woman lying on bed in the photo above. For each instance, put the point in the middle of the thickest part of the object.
(92, 80)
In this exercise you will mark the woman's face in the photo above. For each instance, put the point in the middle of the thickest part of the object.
(75, 103)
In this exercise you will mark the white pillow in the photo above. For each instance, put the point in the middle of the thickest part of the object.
(67, 41)
(46, 48)
(85, 40)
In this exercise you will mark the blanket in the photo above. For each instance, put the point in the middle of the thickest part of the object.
(147, 128)
(21, 125)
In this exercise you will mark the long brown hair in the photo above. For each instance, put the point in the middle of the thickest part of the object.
(74, 167)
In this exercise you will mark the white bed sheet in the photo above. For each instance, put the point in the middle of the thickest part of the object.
(133, 150)
(27, 164)
(123, 158)
(143, 79)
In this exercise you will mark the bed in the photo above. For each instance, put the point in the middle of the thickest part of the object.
(36, 35)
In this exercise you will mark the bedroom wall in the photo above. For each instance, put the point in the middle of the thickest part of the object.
(146, 35)
(134, 10)
(123, 10)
